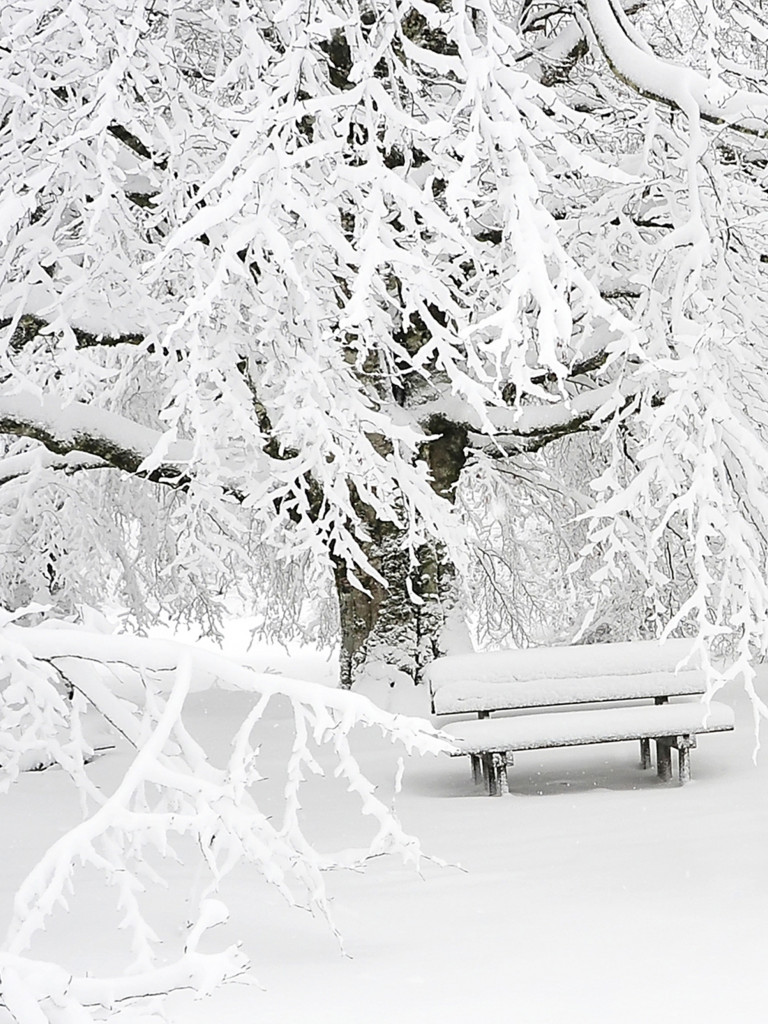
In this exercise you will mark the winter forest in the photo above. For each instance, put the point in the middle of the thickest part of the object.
(383, 331)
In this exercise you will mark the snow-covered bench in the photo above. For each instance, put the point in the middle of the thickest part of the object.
(546, 678)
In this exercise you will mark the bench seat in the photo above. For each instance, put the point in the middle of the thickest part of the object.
(574, 728)
(492, 742)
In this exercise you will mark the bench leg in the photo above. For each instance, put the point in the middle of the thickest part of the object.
(503, 761)
(477, 769)
(664, 757)
(684, 746)
(495, 764)
(498, 784)
(498, 774)
(485, 762)
(645, 753)
(509, 760)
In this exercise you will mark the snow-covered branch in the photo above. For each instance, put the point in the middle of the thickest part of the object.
(13, 467)
(687, 90)
(28, 326)
(563, 39)
(31, 986)
(505, 431)
(172, 790)
(81, 427)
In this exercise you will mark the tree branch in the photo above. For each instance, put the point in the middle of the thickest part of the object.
(91, 431)
(83, 436)
(552, 60)
(30, 325)
(37, 459)
(134, 143)
(537, 427)
(632, 60)
(512, 431)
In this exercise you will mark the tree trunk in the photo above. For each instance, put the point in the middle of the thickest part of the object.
(393, 632)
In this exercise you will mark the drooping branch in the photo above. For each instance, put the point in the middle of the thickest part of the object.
(214, 806)
(632, 60)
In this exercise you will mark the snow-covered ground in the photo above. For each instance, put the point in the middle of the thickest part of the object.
(592, 893)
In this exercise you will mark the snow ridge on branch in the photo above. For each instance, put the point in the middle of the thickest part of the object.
(80, 427)
(677, 86)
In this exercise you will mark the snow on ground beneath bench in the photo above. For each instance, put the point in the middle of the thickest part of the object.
(592, 894)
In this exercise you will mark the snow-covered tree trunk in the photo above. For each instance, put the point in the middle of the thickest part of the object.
(397, 630)
(394, 631)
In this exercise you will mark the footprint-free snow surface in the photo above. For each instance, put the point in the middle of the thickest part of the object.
(592, 894)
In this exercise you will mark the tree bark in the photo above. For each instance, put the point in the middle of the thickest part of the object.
(392, 633)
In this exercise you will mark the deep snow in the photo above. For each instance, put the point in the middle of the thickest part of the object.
(592, 893)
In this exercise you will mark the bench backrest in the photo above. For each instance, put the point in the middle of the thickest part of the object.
(546, 677)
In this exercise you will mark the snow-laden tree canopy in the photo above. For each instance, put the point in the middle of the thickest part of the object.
(366, 285)
(312, 261)
(306, 264)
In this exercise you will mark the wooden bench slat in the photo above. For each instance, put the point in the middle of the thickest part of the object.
(576, 728)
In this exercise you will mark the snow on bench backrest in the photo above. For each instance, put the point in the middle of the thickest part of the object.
(458, 697)
(635, 657)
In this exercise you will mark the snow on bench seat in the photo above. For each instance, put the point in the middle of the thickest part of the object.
(573, 728)
(492, 742)
(456, 697)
